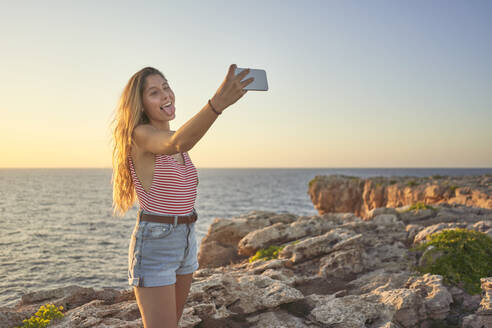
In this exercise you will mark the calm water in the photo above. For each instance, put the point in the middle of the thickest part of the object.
(57, 227)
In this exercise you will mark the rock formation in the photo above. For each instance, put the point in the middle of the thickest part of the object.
(334, 270)
(340, 193)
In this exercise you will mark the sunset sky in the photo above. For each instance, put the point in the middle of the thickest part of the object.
(351, 83)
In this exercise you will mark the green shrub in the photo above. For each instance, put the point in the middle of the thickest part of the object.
(465, 257)
(43, 316)
(269, 253)
(392, 182)
(266, 254)
(453, 187)
(437, 176)
(420, 206)
(350, 177)
(412, 183)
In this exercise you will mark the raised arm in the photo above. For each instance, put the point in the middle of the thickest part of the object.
(185, 138)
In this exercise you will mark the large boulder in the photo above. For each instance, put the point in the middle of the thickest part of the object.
(219, 246)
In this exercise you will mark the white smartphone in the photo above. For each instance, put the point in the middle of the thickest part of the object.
(260, 80)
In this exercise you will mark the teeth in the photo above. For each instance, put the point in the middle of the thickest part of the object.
(166, 105)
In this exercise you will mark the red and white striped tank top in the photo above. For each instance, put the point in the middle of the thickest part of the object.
(173, 189)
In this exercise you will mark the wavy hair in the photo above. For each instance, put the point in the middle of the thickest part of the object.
(127, 115)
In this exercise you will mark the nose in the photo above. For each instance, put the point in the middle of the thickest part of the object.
(166, 97)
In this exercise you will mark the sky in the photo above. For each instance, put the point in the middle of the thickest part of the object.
(351, 83)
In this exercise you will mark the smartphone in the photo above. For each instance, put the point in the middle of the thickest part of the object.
(260, 80)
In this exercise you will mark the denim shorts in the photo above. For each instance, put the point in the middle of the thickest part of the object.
(160, 251)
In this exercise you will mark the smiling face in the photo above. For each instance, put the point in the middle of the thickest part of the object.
(156, 94)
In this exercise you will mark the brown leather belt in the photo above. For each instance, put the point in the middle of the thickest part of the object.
(190, 218)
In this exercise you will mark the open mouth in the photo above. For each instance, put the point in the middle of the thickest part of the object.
(170, 109)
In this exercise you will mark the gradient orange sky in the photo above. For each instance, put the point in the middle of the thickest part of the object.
(352, 84)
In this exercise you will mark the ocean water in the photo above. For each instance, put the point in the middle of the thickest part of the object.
(57, 227)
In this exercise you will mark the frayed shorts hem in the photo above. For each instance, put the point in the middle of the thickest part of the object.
(187, 270)
(151, 281)
(160, 281)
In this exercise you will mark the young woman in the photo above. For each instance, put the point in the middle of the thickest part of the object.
(151, 164)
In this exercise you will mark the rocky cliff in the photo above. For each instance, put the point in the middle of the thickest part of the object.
(340, 193)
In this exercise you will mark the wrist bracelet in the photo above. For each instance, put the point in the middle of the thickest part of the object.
(210, 103)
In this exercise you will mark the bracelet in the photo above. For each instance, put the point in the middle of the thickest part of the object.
(210, 103)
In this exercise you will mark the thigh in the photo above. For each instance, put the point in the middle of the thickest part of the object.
(157, 306)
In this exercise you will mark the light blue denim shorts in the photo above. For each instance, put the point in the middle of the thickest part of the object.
(160, 251)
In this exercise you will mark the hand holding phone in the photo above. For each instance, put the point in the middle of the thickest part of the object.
(236, 85)
(260, 80)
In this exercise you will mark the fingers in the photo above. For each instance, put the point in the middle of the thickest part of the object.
(232, 70)
(230, 73)
(232, 88)
(246, 82)
(243, 74)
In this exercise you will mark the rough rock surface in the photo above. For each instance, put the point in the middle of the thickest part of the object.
(340, 193)
(335, 270)
(483, 315)
(219, 246)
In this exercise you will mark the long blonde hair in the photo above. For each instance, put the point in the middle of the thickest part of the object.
(128, 114)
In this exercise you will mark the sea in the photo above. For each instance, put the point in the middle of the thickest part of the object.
(58, 229)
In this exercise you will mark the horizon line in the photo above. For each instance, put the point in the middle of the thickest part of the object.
(253, 167)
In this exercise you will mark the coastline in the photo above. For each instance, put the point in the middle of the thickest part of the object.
(334, 268)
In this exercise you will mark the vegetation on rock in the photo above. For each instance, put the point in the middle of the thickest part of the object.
(312, 181)
(419, 206)
(453, 188)
(269, 253)
(464, 256)
(412, 183)
(43, 316)
(266, 254)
